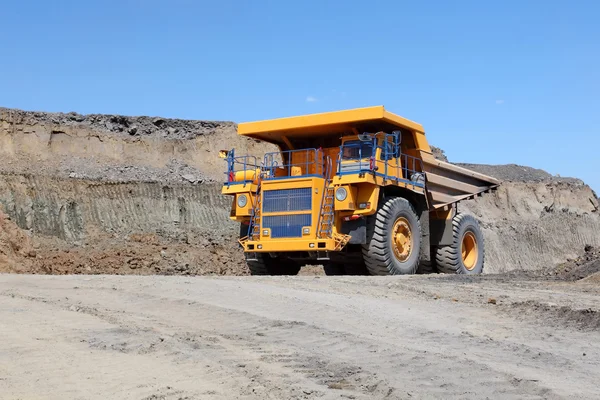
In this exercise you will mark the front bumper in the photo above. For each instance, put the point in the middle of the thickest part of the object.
(279, 245)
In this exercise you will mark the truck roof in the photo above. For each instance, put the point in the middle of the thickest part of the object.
(367, 119)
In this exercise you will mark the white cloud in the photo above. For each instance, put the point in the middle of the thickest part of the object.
(311, 99)
(500, 101)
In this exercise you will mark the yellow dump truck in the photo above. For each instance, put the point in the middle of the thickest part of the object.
(357, 191)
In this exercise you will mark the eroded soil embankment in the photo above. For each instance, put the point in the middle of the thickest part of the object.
(79, 226)
(532, 226)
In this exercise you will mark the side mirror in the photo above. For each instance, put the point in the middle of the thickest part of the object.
(223, 153)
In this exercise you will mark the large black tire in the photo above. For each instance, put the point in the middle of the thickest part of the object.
(260, 266)
(267, 265)
(334, 268)
(351, 263)
(427, 267)
(451, 259)
(378, 253)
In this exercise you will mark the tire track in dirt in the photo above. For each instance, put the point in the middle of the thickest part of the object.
(336, 357)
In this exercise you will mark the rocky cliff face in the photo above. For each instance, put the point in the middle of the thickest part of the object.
(115, 194)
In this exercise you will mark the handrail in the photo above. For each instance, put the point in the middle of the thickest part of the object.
(312, 157)
(329, 166)
(408, 168)
(246, 163)
(256, 208)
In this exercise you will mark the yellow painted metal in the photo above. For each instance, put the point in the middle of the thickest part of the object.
(245, 211)
(329, 123)
(287, 142)
(316, 184)
(238, 188)
(469, 250)
(402, 239)
(295, 244)
(374, 180)
(350, 202)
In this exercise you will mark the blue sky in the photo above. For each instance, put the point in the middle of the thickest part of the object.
(492, 81)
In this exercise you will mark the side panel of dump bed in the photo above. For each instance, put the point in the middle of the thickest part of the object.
(448, 183)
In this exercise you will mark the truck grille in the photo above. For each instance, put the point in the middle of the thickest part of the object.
(287, 200)
(286, 226)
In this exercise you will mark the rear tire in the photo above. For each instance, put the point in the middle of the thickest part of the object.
(427, 267)
(393, 239)
(466, 253)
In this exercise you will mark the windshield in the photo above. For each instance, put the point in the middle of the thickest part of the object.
(356, 149)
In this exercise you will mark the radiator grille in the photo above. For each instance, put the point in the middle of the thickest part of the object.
(287, 200)
(286, 226)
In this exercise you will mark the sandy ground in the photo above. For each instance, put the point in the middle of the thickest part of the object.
(134, 337)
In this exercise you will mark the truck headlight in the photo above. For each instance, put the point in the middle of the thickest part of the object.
(242, 200)
(341, 193)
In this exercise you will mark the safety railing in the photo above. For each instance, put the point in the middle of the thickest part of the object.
(241, 169)
(358, 158)
(409, 169)
(293, 163)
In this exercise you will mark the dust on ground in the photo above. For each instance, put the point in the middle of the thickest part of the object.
(151, 337)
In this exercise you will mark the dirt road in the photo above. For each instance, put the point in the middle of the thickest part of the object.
(132, 337)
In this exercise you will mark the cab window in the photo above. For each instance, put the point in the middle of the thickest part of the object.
(388, 148)
(356, 149)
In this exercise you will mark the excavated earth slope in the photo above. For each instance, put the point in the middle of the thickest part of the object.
(141, 195)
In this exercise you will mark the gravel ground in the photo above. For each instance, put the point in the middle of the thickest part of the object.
(297, 338)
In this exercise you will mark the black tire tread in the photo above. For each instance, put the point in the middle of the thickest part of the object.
(448, 258)
(377, 258)
(427, 267)
(258, 267)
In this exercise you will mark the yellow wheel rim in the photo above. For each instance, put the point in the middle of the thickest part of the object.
(469, 251)
(402, 239)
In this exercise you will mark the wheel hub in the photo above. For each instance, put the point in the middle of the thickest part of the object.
(469, 251)
(402, 239)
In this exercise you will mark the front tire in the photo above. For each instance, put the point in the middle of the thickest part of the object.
(350, 263)
(466, 253)
(393, 239)
(267, 265)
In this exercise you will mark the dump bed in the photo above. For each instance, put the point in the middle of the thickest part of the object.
(336, 123)
(445, 183)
